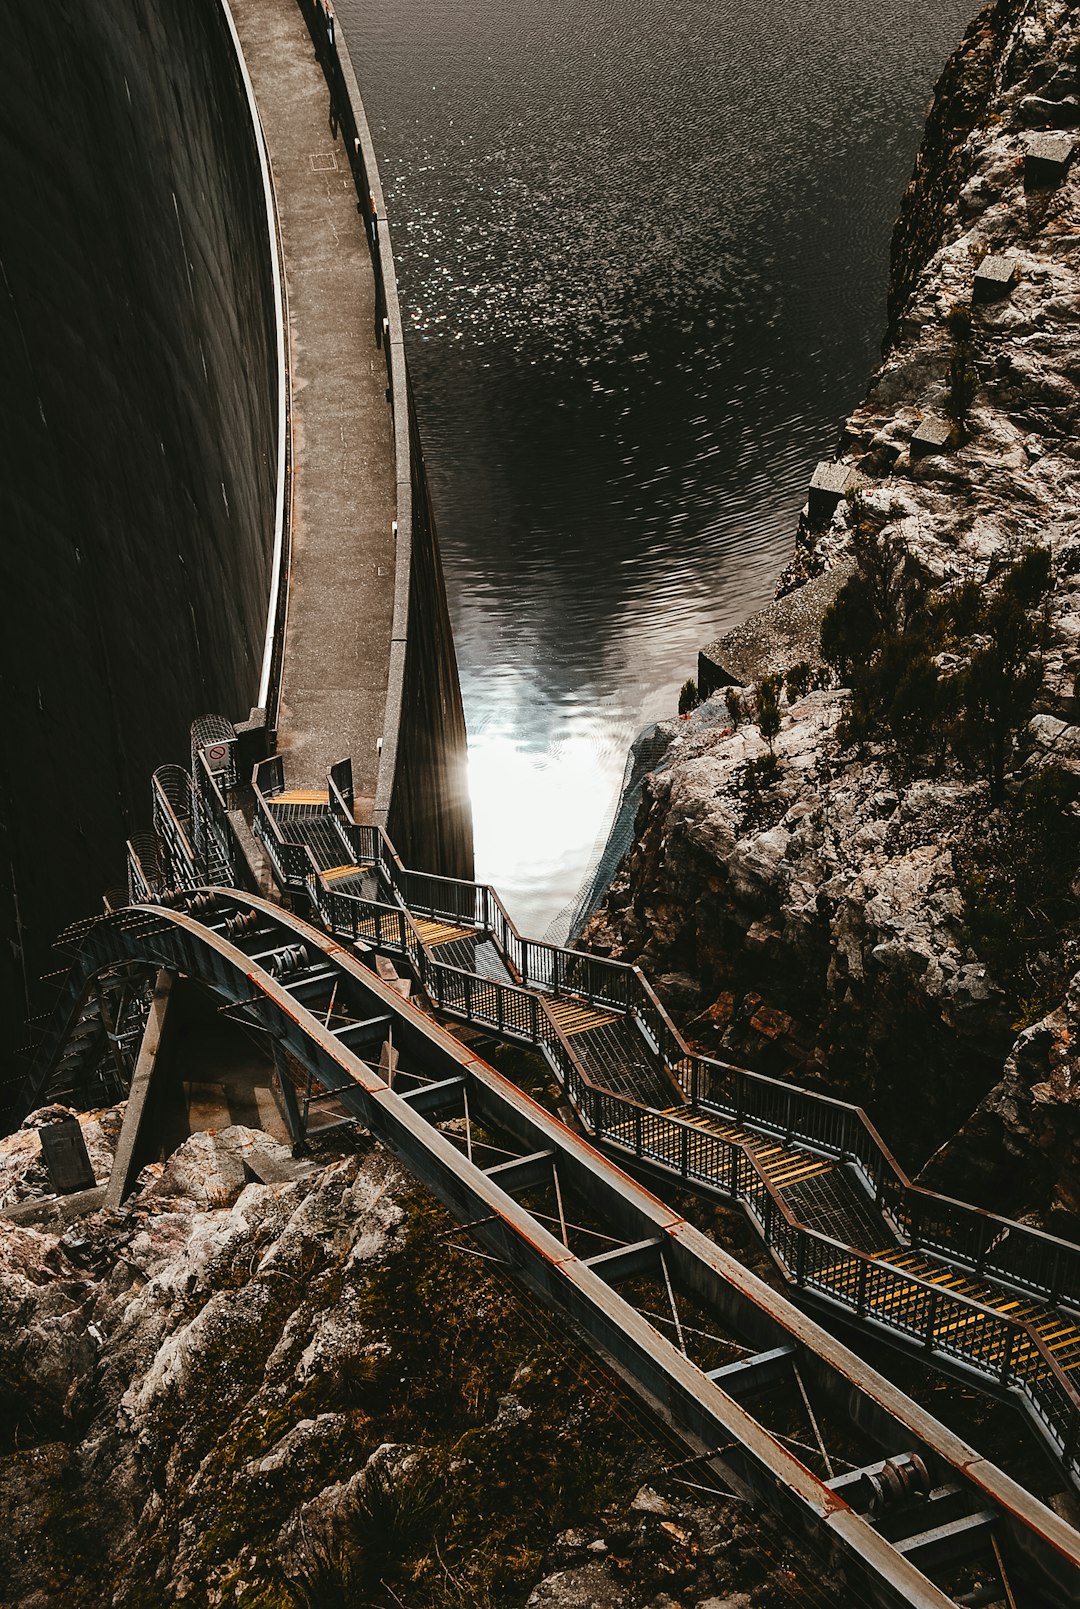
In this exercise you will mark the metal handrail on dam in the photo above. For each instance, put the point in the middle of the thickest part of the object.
(915, 1523)
(418, 581)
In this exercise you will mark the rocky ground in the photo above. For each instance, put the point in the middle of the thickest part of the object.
(303, 1394)
(861, 918)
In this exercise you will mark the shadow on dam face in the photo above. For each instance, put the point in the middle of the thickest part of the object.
(138, 389)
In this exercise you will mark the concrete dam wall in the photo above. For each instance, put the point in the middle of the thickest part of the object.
(139, 397)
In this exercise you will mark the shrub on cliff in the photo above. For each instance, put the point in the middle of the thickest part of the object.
(798, 680)
(877, 637)
(735, 707)
(1016, 870)
(1004, 674)
(886, 599)
(883, 632)
(689, 697)
(962, 377)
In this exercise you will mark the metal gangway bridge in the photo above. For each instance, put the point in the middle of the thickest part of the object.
(908, 1514)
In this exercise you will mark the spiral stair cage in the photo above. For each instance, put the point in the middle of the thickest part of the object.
(213, 731)
(144, 867)
(214, 776)
(174, 822)
(95, 1065)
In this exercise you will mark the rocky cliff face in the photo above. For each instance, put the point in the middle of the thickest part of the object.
(850, 916)
(303, 1393)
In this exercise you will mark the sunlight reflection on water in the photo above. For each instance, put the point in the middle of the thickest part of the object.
(643, 256)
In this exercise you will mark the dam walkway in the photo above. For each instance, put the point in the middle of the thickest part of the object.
(338, 627)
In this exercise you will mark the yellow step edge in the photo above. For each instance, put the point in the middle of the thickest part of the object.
(583, 1028)
(571, 1013)
(339, 871)
(961, 1322)
(1046, 1336)
(783, 1180)
(433, 933)
(1049, 1320)
(949, 1282)
(302, 796)
(802, 1165)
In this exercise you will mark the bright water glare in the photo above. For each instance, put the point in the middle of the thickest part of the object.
(643, 251)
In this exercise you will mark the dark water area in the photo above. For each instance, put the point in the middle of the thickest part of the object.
(643, 254)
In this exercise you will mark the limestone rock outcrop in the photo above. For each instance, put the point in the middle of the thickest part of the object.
(1033, 1112)
(824, 916)
(283, 1394)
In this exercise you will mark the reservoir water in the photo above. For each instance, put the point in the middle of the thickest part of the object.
(643, 253)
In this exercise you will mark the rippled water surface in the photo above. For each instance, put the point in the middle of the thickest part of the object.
(643, 251)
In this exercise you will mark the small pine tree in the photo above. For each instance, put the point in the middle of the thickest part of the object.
(767, 705)
(735, 707)
(962, 376)
(689, 697)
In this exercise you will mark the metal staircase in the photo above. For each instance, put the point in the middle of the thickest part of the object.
(993, 1301)
(764, 1401)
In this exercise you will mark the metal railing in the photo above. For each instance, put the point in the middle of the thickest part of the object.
(145, 876)
(215, 842)
(991, 1345)
(976, 1240)
(1005, 1352)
